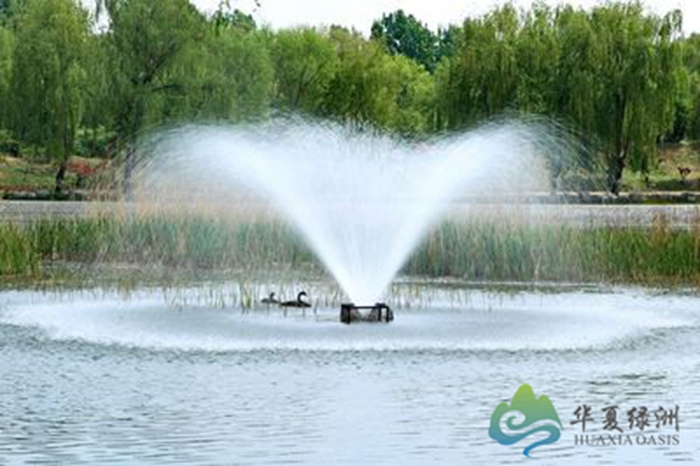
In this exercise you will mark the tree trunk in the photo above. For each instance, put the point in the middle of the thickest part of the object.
(616, 169)
(60, 175)
(129, 166)
(617, 164)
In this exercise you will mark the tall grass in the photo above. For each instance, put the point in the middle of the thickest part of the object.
(18, 255)
(477, 250)
(490, 251)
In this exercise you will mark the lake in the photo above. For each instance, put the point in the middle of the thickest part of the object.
(106, 377)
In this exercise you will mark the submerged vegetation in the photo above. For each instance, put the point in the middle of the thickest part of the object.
(470, 249)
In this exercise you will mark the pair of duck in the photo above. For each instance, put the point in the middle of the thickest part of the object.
(299, 302)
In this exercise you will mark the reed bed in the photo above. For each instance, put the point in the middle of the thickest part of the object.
(518, 252)
(469, 249)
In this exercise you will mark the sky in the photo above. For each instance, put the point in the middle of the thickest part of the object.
(359, 14)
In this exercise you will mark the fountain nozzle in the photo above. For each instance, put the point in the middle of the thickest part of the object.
(379, 312)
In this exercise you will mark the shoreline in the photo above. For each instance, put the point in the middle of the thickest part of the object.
(573, 214)
(568, 197)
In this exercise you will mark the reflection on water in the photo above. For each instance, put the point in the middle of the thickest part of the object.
(98, 379)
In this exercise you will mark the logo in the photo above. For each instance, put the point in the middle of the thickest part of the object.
(525, 416)
(644, 426)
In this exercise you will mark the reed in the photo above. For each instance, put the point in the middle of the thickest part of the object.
(471, 249)
(489, 251)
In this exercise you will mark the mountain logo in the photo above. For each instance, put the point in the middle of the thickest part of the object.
(525, 416)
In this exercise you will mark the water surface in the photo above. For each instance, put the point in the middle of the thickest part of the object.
(95, 378)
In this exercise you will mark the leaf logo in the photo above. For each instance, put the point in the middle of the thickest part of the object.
(525, 416)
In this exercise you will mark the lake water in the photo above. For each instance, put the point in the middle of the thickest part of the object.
(108, 378)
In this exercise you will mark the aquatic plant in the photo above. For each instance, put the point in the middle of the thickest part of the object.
(488, 250)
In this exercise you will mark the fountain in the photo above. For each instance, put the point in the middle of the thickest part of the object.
(361, 200)
(173, 374)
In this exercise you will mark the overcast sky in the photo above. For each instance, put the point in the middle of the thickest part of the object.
(360, 13)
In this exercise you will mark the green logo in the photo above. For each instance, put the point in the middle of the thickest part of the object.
(525, 416)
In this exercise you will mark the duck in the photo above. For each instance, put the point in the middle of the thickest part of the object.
(298, 303)
(270, 299)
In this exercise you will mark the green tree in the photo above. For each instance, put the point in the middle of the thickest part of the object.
(354, 94)
(482, 78)
(688, 114)
(576, 83)
(146, 39)
(47, 77)
(224, 18)
(639, 75)
(403, 34)
(305, 63)
(389, 92)
(537, 52)
(412, 91)
(613, 72)
(7, 45)
(95, 136)
(228, 76)
(97, 89)
(10, 10)
(246, 62)
(693, 128)
(448, 40)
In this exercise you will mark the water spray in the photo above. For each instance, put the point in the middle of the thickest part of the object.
(361, 201)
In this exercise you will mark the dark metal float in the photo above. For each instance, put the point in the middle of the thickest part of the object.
(379, 312)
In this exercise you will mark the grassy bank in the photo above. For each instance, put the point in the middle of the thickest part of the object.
(22, 175)
(677, 171)
(467, 249)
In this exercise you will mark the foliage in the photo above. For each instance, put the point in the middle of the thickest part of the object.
(228, 77)
(7, 45)
(403, 34)
(389, 92)
(305, 63)
(45, 98)
(689, 100)
(145, 39)
(613, 72)
(622, 79)
(235, 19)
(639, 72)
(10, 10)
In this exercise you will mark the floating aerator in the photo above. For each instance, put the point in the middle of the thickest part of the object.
(380, 312)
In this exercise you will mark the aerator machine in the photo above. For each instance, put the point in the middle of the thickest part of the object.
(380, 312)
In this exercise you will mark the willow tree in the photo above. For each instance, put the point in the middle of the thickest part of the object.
(225, 73)
(47, 77)
(693, 128)
(145, 38)
(690, 99)
(97, 89)
(353, 93)
(305, 63)
(411, 91)
(241, 56)
(481, 79)
(371, 86)
(576, 85)
(7, 44)
(227, 77)
(639, 72)
(537, 57)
